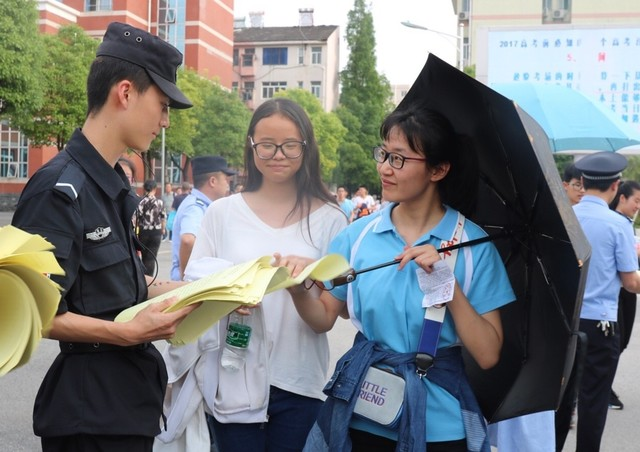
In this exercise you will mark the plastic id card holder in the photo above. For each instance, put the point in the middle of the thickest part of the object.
(381, 397)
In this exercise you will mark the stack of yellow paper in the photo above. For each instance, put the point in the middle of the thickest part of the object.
(28, 298)
(223, 292)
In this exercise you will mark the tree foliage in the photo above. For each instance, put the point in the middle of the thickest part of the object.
(222, 126)
(67, 59)
(365, 101)
(327, 128)
(20, 58)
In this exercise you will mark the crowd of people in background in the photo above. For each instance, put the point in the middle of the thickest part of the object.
(360, 205)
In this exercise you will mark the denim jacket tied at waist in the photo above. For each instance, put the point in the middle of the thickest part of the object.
(331, 430)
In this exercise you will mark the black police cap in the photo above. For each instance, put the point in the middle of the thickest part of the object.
(210, 164)
(159, 58)
(602, 166)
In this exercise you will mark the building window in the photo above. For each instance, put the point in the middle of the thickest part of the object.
(316, 55)
(236, 57)
(247, 91)
(274, 55)
(270, 88)
(234, 87)
(247, 57)
(98, 5)
(316, 89)
(300, 55)
(14, 152)
(300, 84)
(172, 170)
(167, 18)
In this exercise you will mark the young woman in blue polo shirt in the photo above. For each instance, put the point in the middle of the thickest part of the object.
(427, 181)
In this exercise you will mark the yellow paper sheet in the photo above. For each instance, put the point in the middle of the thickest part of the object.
(213, 309)
(223, 292)
(45, 292)
(28, 298)
(231, 283)
(17, 241)
(329, 267)
(15, 320)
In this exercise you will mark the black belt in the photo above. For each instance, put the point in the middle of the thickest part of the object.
(84, 347)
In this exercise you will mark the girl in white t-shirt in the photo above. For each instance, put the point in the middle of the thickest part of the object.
(284, 209)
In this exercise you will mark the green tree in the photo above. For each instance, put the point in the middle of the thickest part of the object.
(562, 161)
(68, 56)
(20, 58)
(222, 126)
(470, 70)
(183, 123)
(365, 101)
(327, 128)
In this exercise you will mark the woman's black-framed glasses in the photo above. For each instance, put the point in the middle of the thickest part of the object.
(291, 149)
(395, 160)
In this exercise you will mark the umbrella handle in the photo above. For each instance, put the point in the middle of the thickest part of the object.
(346, 278)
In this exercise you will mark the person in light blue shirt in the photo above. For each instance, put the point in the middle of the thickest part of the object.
(211, 181)
(346, 204)
(427, 187)
(613, 263)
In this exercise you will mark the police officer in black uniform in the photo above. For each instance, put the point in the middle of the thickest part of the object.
(105, 389)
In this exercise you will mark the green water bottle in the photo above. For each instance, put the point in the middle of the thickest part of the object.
(234, 352)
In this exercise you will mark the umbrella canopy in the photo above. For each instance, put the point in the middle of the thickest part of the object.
(573, 122)
(520, 201)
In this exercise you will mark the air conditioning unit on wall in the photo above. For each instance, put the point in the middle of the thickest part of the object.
(559, 13)
(464, 15)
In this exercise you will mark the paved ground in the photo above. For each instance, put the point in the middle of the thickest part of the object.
(18, 388)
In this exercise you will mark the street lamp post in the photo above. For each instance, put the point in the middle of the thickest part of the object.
(459, 38)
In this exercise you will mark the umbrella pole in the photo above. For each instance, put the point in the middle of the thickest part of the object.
(351, 275)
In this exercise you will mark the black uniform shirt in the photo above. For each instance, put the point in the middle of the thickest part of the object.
(84, 208)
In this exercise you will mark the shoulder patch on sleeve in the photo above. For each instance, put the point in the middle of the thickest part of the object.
(201, 203)
(70, 182)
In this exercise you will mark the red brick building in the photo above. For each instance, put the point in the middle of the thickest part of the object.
(202, 31)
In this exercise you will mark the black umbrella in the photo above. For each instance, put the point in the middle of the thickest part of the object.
(523, 207)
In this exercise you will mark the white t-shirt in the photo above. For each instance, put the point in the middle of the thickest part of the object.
(284, 351)
(368, 200)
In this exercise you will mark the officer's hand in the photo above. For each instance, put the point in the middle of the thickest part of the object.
(152, 323)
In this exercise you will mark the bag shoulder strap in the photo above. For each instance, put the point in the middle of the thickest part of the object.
(434, 316)
(354, 251)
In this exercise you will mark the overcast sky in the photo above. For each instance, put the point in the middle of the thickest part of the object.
(401, 52)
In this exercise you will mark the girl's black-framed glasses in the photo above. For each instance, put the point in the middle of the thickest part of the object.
(291, 149)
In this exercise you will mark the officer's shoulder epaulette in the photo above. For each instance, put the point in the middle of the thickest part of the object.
(70, 182)
(201, 203)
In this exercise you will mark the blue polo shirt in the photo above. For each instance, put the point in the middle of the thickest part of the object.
(347, 207)
(187, 221)
(388, 302)
(612, 250)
